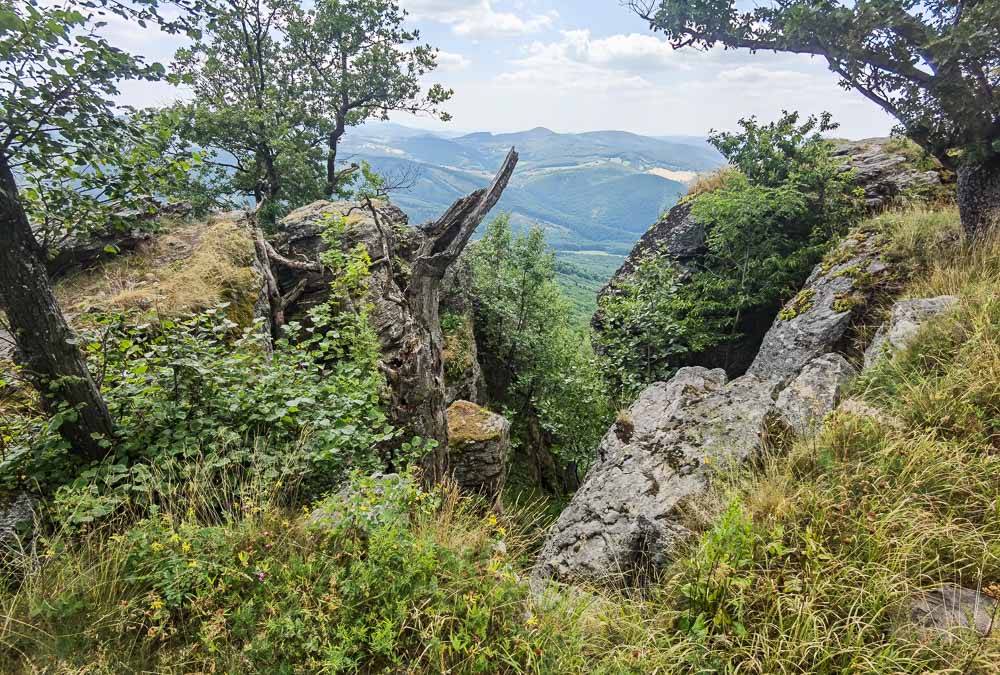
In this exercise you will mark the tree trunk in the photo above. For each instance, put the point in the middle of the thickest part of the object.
(45, 343)
(332, 143)
(979, 196)
(443, 242)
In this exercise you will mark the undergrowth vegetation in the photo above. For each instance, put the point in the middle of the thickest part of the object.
(805, 560)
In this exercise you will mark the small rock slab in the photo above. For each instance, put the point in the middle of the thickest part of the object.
(478, 448)
(951, 609)
(17, 524)
(816, 392)
(907, 317)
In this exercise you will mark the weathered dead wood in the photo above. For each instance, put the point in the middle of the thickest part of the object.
(273, 292)
(404, 289)
(301, 265)
(421, 377)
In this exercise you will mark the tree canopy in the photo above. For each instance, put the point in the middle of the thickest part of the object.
(934, 66)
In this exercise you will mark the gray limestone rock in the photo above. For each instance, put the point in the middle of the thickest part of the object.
(816, 321)
(815, 392)
(905, 321)
(624, 521)
(884, 173)
(947, 611)
(17, 524)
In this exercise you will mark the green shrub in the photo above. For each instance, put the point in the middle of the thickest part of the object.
(388, 578)
(539, 363)
(768, 223)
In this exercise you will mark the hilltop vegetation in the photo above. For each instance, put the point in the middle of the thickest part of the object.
(308, 436)
(809, 567)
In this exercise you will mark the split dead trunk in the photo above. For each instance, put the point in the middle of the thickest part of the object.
(46, 345)
(419, 391)
(405, 280)
(979, 196)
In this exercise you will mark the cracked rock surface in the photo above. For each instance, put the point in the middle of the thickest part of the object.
(907, 317)
(623, 520)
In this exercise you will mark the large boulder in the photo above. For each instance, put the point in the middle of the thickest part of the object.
(626, 519)
(904, 323)
(624, 522)
(478, 448)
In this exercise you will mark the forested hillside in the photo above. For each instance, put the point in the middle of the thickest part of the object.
(273, 402)
(587, 191)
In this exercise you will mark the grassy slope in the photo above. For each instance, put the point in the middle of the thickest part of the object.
(803, 564)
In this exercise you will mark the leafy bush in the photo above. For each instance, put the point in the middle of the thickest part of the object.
(768, 222)
(197, 387)
(538, 364)
(384, 577)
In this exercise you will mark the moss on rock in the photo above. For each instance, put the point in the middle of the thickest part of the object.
(470, 423)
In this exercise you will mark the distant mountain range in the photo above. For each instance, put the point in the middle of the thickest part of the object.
(594, 191)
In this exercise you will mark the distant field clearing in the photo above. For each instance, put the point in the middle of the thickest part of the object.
(670, 174)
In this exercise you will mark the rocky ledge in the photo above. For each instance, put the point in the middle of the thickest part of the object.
(627, 519)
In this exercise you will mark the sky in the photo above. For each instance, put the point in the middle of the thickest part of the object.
(585, 65)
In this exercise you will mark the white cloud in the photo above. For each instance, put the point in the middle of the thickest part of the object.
(580, 62)
(633, 52)
(450, 62)
(755, 76)
(478, 18)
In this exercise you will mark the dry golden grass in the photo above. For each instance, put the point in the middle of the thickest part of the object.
(189, 268)
(709, 182)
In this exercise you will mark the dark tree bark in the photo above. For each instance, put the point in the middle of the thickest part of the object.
(45, 343)
(979, 196)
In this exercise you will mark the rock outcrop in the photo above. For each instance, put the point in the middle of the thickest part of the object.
(818, 319)
(816, 391)
(904, 323)
(478, 449)
(948, 611)
(627, 519)
(885, 169)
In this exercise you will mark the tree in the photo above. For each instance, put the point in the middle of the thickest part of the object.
(57, 78)
(538, 367)
(361, 64)
(934, 66)
(250, 110)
